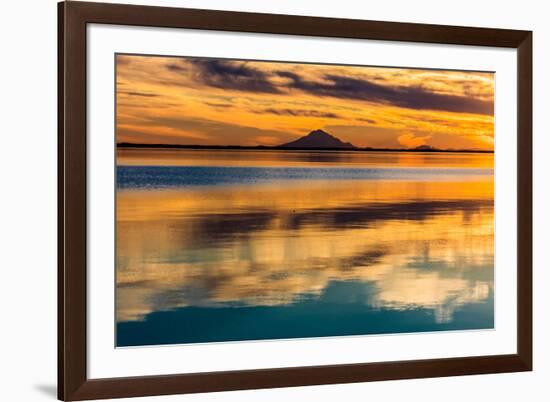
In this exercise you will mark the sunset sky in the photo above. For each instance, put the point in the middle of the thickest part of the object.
(200, 101)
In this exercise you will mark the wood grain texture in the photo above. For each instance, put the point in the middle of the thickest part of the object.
(73, 17)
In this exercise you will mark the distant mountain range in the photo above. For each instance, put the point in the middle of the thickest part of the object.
(318, 139)
(315, 140)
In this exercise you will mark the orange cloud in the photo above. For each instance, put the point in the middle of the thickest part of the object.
(411, 141)
(229, 102)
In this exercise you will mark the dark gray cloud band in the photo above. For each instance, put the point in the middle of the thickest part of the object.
(241, 76)
(233, 75)
(338, 86)
(299, 112)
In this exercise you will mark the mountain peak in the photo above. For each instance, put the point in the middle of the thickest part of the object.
(318, 139)
(319, 132)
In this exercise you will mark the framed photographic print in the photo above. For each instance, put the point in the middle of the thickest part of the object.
(254, 201)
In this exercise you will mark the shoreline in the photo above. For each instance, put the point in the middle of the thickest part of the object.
(279, 148)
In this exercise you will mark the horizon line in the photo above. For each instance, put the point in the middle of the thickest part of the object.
(285, 148)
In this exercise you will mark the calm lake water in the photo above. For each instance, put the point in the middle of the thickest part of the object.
(245, 245)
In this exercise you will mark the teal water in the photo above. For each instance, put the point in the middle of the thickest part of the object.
(341, 310)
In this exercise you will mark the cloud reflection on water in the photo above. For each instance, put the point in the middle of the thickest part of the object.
(419, 244)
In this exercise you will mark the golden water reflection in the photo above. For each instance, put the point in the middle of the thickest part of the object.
(421, 244)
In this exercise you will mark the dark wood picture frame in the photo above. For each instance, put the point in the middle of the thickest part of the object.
(73, 383)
